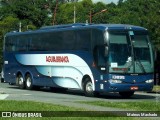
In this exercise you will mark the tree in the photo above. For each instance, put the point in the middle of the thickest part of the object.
(31, 10)
(101, 17)
(6, 25)
(65, 12)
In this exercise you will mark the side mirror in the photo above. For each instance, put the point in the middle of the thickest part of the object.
(105, 51)
(132, 37)
(131, 33)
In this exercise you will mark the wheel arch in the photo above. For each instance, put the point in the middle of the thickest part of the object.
(19, 73)
(91, 79)
(28, 73)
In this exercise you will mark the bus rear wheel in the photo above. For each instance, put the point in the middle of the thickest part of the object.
(2, 80)
(28, 82)
(20, 81)
(126, 94)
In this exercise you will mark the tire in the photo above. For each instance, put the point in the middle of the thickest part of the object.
(126, 94)
(11, 83)
(21, 82)
(29, 82)
(88, 88)
(2, 80)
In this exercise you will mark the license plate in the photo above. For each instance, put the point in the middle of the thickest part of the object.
(134, 88)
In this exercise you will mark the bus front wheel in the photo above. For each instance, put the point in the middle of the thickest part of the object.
(20, 81)
(126, 94)
(88, 88)
(28, 82)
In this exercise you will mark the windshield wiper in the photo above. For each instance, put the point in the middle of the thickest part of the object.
(126, 71)
(140, 64)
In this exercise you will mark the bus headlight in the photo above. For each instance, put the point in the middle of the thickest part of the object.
(115, 81)
(149, 81)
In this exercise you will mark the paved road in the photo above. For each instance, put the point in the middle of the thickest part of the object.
(70, 98)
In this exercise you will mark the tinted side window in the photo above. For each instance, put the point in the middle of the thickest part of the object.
(45, 41)
(35, 42)
(54, 41)
(16, 43)
(69, 40)
(83, 40)
(97, 38)
(8, 43)
(22, 43)
(98, 48)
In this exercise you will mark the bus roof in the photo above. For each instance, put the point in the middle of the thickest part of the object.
(102, 27)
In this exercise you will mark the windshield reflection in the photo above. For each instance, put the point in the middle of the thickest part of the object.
(119, 53)
(119, 48)
(122, 59)
(141, 48)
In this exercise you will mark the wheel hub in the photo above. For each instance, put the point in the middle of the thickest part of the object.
(28, 82)
(89, 87)
(20, 80)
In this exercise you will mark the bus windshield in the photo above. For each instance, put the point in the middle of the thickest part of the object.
(129, 54)
(141, 48)
(119, 44)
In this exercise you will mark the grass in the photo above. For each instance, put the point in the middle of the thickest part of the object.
(138, 106)
(156, 88)
(12, 105)
(30, 106)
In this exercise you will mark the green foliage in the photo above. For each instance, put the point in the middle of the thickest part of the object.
(132, 106)
(11, 105)
(101, 17)
(66, 12)
(8, 24)
(30, 10)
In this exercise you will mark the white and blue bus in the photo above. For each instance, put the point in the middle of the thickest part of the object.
(93, 58)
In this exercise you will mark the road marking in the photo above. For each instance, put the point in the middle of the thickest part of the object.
(3, 96)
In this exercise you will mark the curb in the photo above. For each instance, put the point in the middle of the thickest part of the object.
(154, 92)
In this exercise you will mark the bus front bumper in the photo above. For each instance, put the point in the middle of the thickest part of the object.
(129, 87)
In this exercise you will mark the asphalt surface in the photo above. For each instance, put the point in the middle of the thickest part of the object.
(70, 98)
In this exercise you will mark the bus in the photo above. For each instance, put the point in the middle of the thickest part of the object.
(94, 58)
